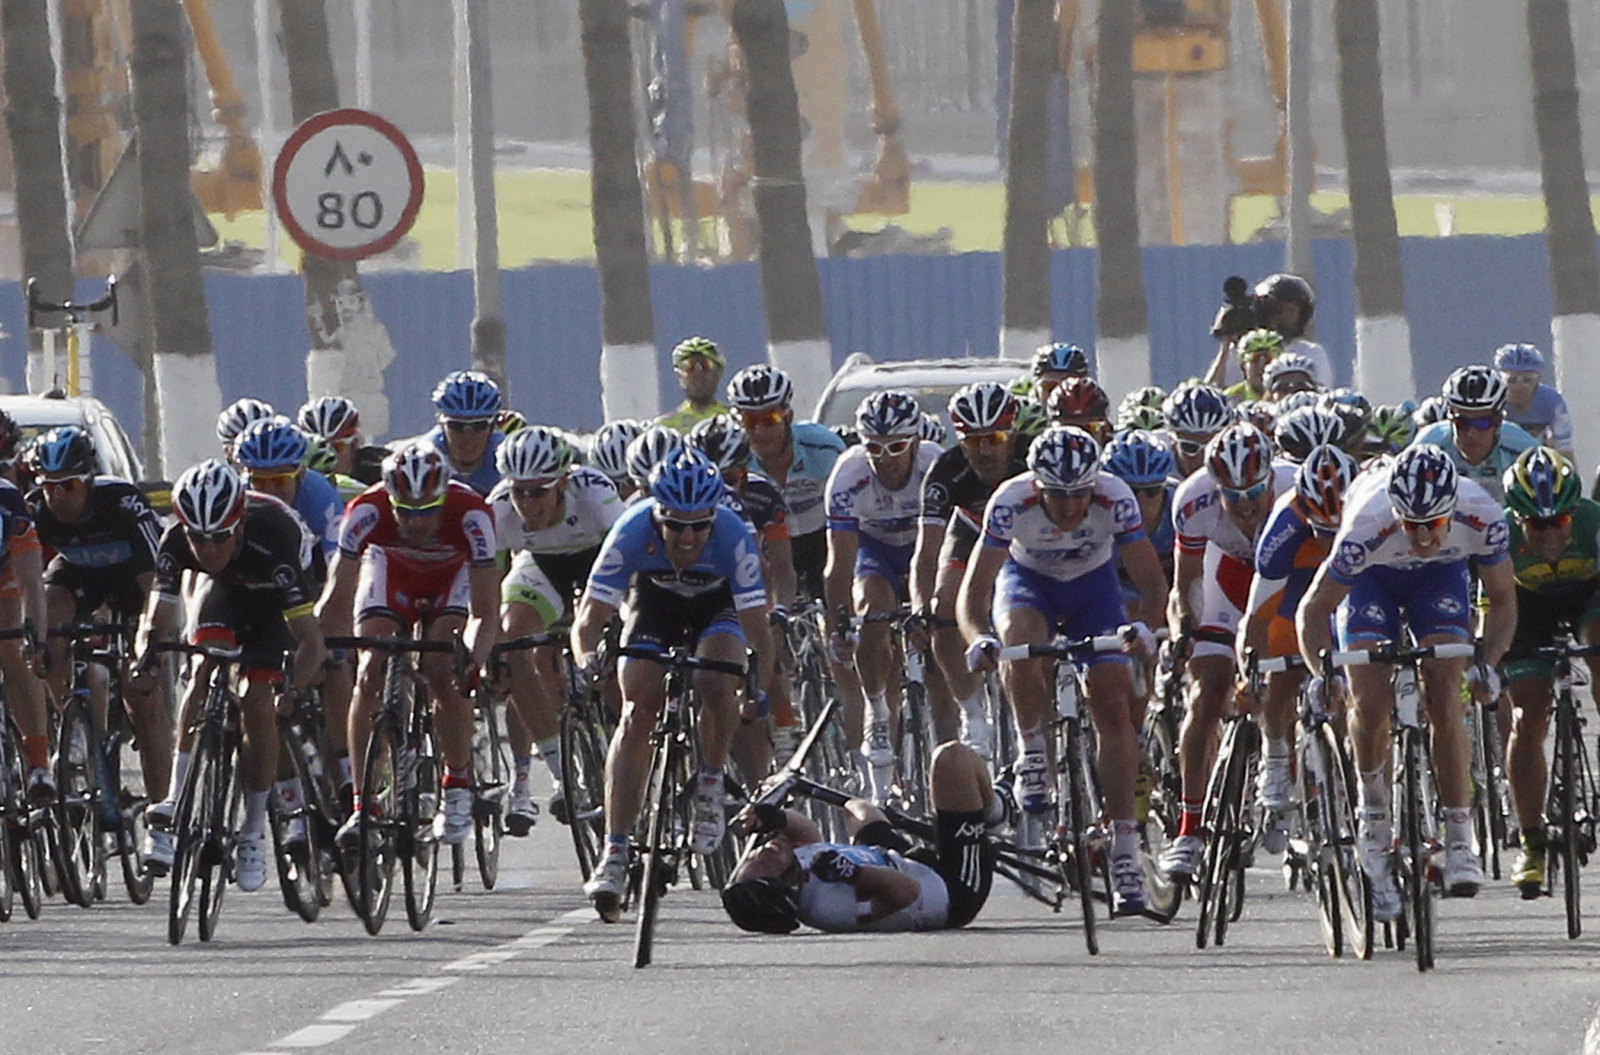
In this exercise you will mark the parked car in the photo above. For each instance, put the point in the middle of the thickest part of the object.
(37, 414)
(932, 381)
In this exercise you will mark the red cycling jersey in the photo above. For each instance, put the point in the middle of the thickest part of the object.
(465, 535)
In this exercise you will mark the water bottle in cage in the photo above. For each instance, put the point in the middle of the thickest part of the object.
(1066, 690)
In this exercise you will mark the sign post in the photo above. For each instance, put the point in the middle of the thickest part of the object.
(347, 185)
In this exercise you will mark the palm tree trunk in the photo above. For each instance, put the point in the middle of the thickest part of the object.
(349, 346)
(33, 122)
(797, 327)
(1383, 336)
(1025, 254)
(185, 369)
(629, 382)
(1122, 348)
(1569, 230)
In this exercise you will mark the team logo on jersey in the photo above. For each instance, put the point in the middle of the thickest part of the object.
(843, 502)
(611, 561)
(1125, 511)
(938, 494)
(1002, 517)
(1449, 605)
(1352, 555)
(283, 576)
(1374, 613)
(1497, 536)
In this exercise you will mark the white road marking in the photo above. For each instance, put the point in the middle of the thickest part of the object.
(314, 1036)
(1591, 1039)
(358, 1010)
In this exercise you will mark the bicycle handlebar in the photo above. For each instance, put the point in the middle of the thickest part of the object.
(1389, 653)
(1064, 649)
(683, 660)
(527, 641)
(390, 644)
(226, 654)
(1272, 664)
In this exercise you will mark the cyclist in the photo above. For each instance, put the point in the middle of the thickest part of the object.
(1053, 364)
(1476, 435)
(1288, 373)
(699, 363)
(1218, 516)
(248, 554)
(272, 454)
(1141, 409)
(1289, 551)
(1555, 556)
(874, 498)
(1304, 429)
(650, 448)
(690, 570)
(1046, 567)
(1080, 401)
(1194, 414)
(236, 416)
(608, 454)
(1409, 529)
(103, 535)
(550, 518)
(875, 883)
(22, 605)
(1393, 428)
(467, 403)
(338, 421)
(1142, 461)
(417, 550)
(1537, 409)
(1257, 349)
(954, 492)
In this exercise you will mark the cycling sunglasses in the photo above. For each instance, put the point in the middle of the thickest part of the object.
(998, 438)
(533, 490)
(1485, 423)
(257, 476)
(1061, 494)
(1552, 523)
(62, 483)
(467, 425)
(891, 449)
(755, 419)
(406, 509)
(678, 527)
(1150, 491)
(212, 538)
(1189, 448)
(1433, 524)
(1245, 494)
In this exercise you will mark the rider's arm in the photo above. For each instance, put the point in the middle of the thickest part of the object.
(483, 612)
(1217, 372)
(758, 635)
(977, 591)
(840, 571)
(28, 567)
(336, 608)
(1265, 597)
(311, 654)
(1143, 566)
(1314, 618)
(780, 570)
(589, 626)
(1190, 566)
(925, 564)
(1500, 621)
(889, 889)
(159, 622)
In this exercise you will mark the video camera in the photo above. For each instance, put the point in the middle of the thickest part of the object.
(1237, 315)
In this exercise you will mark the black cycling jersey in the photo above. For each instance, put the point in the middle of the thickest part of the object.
(951, 486)
(368, 464)
(118, 530)
(270, 562)
(761, 504)
(567, 572)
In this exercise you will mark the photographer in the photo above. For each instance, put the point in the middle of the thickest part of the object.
(1282, 303)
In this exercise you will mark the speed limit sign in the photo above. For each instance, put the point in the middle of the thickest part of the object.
(347, 184)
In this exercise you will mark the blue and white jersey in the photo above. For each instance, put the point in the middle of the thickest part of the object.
(805, 489)
(1015, 518)
(1546, 419)
(731, 559)
(1370, 534)
(859, 502)
(839, 907)
(486, 475)
(318, 504)
(1487, 473)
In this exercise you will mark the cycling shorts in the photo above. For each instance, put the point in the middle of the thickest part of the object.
(1431, 598)
(1087, 606)
(234, 617)
(659, 619)
(93, 588)
(1225, 591)
(810, 555)
(1540, 619)
(892, 564)
(390, 589)
(964, 859)
(526, 583)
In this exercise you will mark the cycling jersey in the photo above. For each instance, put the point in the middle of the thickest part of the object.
(832, 906)
(1487, 473)
(552, 563)
(268, 567)
(482, 479)
(1288, 553)
(1199, 518)
(1575, 572)
(1546, 418)
(761, 506)
(730, 560)
(805, 484)
(1015, 519)
(118, 529)
(319, 506)
(859, 502)
(687, 416)
(465, 535)
(1370, 535)
(953, 489)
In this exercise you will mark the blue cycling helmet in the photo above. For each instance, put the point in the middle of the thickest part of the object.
(1138, 458)
(687, 482)
(891, 413)
(270, 443)
(1060, 358)
(1518, 358)
(1201, 409)
(1422, 483)
(64, 451)
(1065, 457)
(467, 394)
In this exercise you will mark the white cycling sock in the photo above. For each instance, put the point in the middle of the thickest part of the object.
(1457, 825)
(1031, 740)
(1374, 791)
(879, 702)
(550, 752)
(973, 710)
(1124, 839)
(255, 812)
(1278, 749)
(181, 760)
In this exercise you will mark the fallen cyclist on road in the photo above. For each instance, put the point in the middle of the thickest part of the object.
(877, 882)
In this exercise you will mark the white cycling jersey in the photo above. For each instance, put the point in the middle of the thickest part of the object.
(1370, 534)
(835, 906)
(858, 501)
(1198, 516)
(588, 510)
(1015, 518)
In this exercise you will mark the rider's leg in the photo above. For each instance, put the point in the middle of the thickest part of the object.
(1525, 764)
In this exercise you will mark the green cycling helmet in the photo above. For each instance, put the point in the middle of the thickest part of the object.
(694, 348)
(1541, 483)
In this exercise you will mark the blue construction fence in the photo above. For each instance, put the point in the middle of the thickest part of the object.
(1464, 296)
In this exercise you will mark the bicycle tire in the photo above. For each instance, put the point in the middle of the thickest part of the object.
(380, 793)
(912, 763)
(1355, 896)
(189, 825)
(1317, 866)
(1566, 746)
(10, 876)
(583, 783)
(661, 848)
(488, 814)
(296, 862)
(1223, 813)
(1076, 848)
(216, 868)
(419, 831)
(130, 834)
(321, 858)
(1419, 888)
(1159, 825)
(80, 849)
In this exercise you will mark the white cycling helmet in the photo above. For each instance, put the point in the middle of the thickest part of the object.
(1065, 457)
(608, 450)
(239, 414)
(760, 387)
(1475, 390)
(653, 446)
(209, 497)
(1422, 483)
(534, 453)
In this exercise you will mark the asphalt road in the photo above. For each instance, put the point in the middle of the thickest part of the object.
(528, 968)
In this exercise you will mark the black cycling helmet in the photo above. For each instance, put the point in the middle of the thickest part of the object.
(1281, 288)
(766, 906)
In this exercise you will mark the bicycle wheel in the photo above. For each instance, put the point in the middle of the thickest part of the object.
(661, 848)
(190, 825)
(1158, 812)
(583, 781)
(80, 852)
(9, 801)
(1074, 808)
(216, 869)
(1570, 804)
(296, 861)
(1225, 823)
(1415, 816)
(419, 830)
(317, 859)
(1339, 850)
(129, 808)
(380, 815)
(913, 760)
(1488, 803)
(488, 807)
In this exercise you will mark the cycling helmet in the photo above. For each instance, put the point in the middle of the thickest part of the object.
(1294, 401)
(1299, 432)
(209, 497)
(760, 387)
(331, 417)
(508, 421)
(650, 448)
(1422, 483)
(1138, 458)
(467, 394)
(1260, 342)
(1148, 396)
(1321, 482)
(1518, 358)
(64, 451)
(239, 413)
(687, 481)
(10, 438)
(1354, 411)
(1474, 390)
(764, 906)
(1434, 408)
(270, 443)
(320, 455)
(1542, 483)
(1148, 418)
(608, 450)
(982, 407)
(891, 413)
(721, 439)
(1078, 397)
(1197, 408)
(1030, 420)
(416, 475)
(1261, 414)
(1393, 426)
(1239, 457)
(931, 429)
(697, 348)
(1060, 359)
(1278, 289)
(1289, 363)
(534, 453)
(1065, 457)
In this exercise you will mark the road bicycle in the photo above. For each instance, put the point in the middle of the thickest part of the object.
(1571, 799)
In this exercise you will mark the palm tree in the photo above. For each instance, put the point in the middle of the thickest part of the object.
(629, 382)
(797, 328)
(1025, 255)
(1383, 336)
(349, 346)
(33, 122)
(1122, 349)
(1569, 229)
(185, 369)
